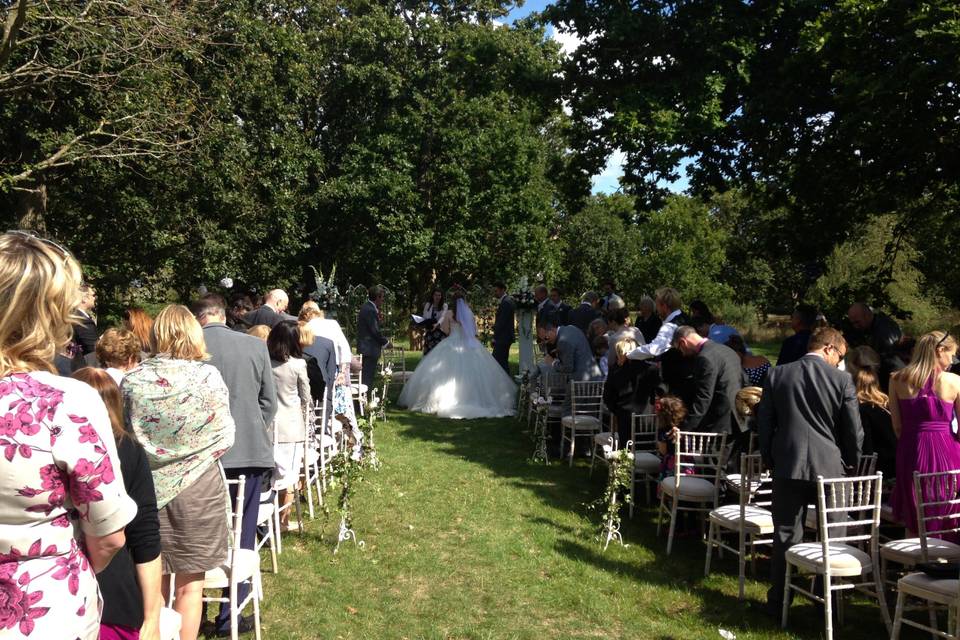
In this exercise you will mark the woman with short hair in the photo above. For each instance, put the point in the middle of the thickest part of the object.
(178, 409)
(118, 351)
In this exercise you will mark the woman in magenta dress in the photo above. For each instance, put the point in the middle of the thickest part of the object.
(923, 399)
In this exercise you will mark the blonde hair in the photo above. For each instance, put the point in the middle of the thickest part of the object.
(39, 292)
(669, 297)
(746, 401)
(625, 346)
(259, 331)
(305, 333)
(308, 311)
(176, 333)
(924, 362)
(118, 347)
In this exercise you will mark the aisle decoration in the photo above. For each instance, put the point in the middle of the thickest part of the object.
(619, 481)
(526, 306)
(325, 292)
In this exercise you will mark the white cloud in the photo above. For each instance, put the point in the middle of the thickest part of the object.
(569, 40)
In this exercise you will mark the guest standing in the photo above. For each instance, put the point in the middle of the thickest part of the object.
(718, 379)
(294, 411)
(118, 351)
(61, 457)
(244, 365)
(808, 424)
(755, 367)
(879, 331)
(272, 311)
(863, 363)
(370, 341)
(503, 326)
(574, 354)
(587, 312)
(803, 320)
(618, 329)
(139, 322)
(85, 331)
(329, 328)
(647, 319)
(130, 585)
(433, 311)
(924, 397)
(178, 409)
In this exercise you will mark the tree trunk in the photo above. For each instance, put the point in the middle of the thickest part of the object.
(32, 208)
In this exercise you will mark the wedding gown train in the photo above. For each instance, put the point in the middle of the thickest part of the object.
(460, 379)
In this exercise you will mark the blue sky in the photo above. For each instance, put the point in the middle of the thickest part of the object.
(607, 181)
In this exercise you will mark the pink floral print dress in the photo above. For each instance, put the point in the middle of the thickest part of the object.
(57, 478)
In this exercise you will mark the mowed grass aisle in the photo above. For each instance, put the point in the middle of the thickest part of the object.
(467, 539)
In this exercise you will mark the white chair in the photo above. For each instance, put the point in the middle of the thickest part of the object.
(646, 461)
(732, 480)
(842, 503)
(604, 442)
(695, 480)
(359, 391)
(394, 369)
(750, 518)
(267, 516)
(942, 592)
(242, 565)
(585, 418)
(547, 402)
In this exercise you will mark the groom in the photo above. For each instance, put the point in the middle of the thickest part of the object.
(503, 335)
(370, 342)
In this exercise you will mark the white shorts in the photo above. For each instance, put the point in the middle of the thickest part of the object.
(288, 457)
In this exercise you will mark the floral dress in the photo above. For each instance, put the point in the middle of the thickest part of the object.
(56, 474)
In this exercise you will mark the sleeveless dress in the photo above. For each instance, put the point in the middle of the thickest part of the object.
(460, 379)
(926, 445)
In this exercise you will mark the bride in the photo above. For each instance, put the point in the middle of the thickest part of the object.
(459, 378)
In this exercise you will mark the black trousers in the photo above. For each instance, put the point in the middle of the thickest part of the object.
(369, 373)
(248, 532)
(501, 353)
(790, 500)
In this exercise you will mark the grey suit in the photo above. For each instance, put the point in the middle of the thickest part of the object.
(503, 332)
(244, 364)
(574, 355)
(267, 316)
(809, 425)
(370, 341)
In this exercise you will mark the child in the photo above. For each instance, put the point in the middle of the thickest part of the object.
(600, 346)
(670, 415)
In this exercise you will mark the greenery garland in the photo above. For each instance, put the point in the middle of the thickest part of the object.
(619, 481)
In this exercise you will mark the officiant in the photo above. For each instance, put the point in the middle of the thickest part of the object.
(433, 312)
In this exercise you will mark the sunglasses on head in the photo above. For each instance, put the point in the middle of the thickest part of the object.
(946, 334)
(33, 236)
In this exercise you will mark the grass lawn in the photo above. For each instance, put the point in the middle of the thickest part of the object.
(467, 539)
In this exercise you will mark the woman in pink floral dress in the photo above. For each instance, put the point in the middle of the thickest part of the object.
(57, 456)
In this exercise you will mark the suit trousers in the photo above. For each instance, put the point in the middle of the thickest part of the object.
(790, 500)
(248, 531)
(501, 353)
(370, 365)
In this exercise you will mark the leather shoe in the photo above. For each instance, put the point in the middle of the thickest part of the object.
(244, 625)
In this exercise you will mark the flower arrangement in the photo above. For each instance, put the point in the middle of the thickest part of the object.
(523, 295)
(325, 293)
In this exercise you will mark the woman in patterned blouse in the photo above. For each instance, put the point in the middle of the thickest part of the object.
(178, 409)
(62, 502)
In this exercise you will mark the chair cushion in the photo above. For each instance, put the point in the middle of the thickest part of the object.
(402, 376)
(581, 422)
(248, 562)
(357, 389)
(265, 514)
(604, 438)
(554, 411)
(907, 552)
(170, 624)
(756, 519)
(691, 488)
(646, 462)
(844, 559)
(942, 590)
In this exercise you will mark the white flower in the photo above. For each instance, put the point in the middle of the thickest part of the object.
(226, 282)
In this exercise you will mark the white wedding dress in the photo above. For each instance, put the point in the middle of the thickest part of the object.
(459, 378)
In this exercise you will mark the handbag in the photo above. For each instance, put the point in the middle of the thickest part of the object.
(941, 570)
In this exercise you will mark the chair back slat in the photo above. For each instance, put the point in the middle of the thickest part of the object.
(553, 386)
(355, 377)
(643, 431)
(699, 455)
(586, 399)
(866, 465)
(755, 484)
(937, 496)
(857, 501)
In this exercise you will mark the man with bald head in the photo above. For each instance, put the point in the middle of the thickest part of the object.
(273, 310)
(879, 331)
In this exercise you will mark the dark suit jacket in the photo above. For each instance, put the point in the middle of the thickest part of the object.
(503, 325)
(244, 364)
(648, 327)
(369, 339)
(85, 334)
(266, 315)
(575, 357)
(718, 377)
(582, 316)
(808, 420)
(794, 347)
(324, 355)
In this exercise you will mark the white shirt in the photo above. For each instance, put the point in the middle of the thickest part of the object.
(661, 343)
